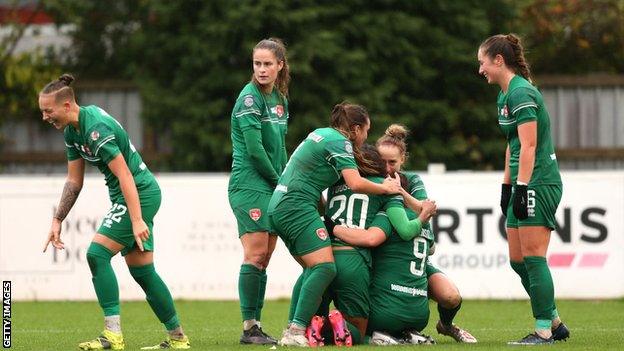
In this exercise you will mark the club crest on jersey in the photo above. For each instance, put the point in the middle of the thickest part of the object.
(248, 101)
(504, 112)
(279, 110)
(348, 147)
(321, 233)
(95, 135)
(255, 214)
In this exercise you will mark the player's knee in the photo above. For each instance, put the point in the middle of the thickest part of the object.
(258, 258)
(450, 298)
(97, 255)
(454, 300)
(328, 268)
(267, 258)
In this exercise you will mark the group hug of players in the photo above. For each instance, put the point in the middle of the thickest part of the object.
(364, 246)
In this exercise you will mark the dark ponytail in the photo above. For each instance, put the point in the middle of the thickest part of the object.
(510, 48)
(344, 116)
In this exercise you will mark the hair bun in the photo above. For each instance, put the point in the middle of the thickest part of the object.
(397, 131)
(512, 38)
(66, 78)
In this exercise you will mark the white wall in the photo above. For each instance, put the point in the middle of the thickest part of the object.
(198, 253)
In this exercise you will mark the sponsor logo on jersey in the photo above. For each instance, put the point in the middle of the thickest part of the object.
(315, 137)
(504, 112)
(255, 214)
(408, 290)
(95, 135)
(279, 110)
(321, 233)
(348, 147)
(248, 101)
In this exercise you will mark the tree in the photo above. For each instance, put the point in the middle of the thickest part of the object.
(409, 62)
(23, 74)
(574, 36)
(101, 32)
(412, 62)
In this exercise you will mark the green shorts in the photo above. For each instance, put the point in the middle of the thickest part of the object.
(301, 229)
(117, 225)
(543, 201)
(349, 290)
(250, 210)
(395, 319)
(430, 269)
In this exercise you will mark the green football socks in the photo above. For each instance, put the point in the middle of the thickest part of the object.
(542, 291)
(261, 292)
(295, 295)
(104, 279)
(248, 290)
(157, 294)
(448, 314)
(312, 289)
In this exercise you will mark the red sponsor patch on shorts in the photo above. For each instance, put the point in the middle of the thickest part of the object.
(255, 214)
(321, 233)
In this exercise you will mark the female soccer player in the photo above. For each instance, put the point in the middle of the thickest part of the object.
(392, 148)
(350, 288)
(326, 155)
(259, 122)
(92, 134)
(532, 186)
(399, 306)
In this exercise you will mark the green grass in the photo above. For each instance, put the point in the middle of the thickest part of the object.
(215, 325)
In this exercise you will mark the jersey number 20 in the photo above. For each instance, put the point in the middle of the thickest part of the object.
(349, 204)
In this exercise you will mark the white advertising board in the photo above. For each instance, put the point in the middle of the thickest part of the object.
(198, 254)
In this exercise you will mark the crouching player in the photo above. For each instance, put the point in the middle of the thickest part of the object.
(399, 307)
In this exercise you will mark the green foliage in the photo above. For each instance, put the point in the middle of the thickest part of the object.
(100, 33)
(412, 62)
(574, 36)
(23, 75)
(408, 62)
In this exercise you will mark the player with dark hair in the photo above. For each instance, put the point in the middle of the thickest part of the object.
(322, 159)
(532, 187)
(259, 123)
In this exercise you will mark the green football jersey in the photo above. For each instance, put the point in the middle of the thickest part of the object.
(355, 210)
(98, 140)
(399, 278)
(524, 103)
(269, 114)
(418, 191)
(314, 166)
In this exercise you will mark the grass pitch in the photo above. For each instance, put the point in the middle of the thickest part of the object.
(215, 325)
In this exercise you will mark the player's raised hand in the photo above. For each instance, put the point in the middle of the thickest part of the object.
(54, 236)
(392, 184)
(141, 232)
(429, 209)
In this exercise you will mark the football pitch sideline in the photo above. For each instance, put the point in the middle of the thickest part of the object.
(215, 325)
